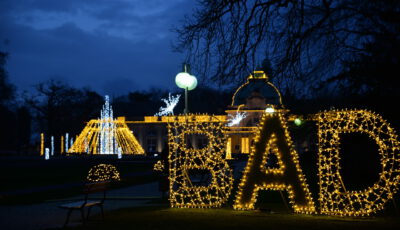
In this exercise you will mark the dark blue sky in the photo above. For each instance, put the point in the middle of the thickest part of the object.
(111, 46)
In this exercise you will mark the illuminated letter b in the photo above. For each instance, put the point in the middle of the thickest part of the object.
(198, 147)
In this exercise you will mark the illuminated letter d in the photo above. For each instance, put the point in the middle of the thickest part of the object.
(334, 197)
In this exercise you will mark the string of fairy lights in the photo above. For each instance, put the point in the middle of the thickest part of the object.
(334, 198)
(271, 148)
(88, 140)
(158, 166)
(273, 137)
(183, 158)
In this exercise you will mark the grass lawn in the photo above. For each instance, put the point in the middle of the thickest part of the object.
(226, 218)
(32, 180)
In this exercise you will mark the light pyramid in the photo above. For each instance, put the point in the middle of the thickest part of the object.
(106, 136)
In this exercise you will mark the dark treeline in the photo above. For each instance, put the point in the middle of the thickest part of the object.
(147, 103)
(55, 108)
(369, 81)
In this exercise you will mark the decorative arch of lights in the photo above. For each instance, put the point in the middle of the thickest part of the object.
(103, 172)
(182, 159)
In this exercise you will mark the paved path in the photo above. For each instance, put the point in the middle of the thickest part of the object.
(48, 215)
(28, 191)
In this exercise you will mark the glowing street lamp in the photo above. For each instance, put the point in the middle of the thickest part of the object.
(298, 121)
(186, 81)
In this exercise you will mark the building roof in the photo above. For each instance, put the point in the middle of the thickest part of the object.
(257, 85)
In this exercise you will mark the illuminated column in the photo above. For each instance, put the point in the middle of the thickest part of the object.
(229, 149)
(66, 142)
(111, 133)
(47, 154)
(62, 144)
(41, 144)
(245, 145)
(52, 145)
(108, 143)
(119, 153)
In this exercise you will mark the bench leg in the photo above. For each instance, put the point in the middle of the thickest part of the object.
(83, 215)
(68, 215)
(102, 211)
(87, 216)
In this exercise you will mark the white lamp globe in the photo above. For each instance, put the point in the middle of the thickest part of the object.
(193, 82)
(182, 80)
(298, 121)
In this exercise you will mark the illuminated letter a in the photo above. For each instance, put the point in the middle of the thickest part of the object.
(274, 136)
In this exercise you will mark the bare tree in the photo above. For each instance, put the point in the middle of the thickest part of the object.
(7, 90)
(307, 42)
(59, 108)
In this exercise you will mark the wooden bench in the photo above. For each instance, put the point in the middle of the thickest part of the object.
(89, 189)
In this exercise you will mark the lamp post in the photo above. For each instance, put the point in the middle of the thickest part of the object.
(186, 81)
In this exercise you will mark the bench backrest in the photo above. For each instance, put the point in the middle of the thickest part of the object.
(96, 187)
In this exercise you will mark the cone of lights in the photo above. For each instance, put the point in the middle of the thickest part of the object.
(182, 159)
(89, 139)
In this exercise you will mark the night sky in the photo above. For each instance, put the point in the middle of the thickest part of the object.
(111, 46)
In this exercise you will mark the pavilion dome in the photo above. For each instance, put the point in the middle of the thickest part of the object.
(257, 86)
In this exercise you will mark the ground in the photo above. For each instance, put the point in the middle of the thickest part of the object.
(227, 218)
(28, 180)
(141, 207)
(33, 189)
